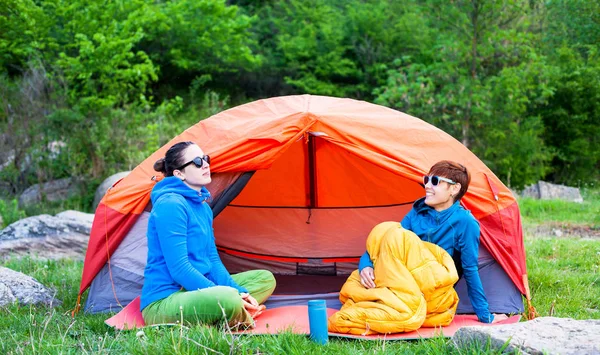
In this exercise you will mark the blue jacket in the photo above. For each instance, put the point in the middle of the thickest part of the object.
(457, 231)
(181, 244)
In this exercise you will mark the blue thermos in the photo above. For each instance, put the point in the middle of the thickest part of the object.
(317, 319)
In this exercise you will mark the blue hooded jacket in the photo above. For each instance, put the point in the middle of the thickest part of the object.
(456, 231)
(181, 243)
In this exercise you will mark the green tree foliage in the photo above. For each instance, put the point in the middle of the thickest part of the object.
(195, 41)
(332, 48)
(469, 82)
(572, 118)
(106, 80)
(24, 31)
(573, 23)
(377, 32)
(310, 41)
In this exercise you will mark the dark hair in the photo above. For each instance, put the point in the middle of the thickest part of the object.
(453, 171)
(173, 158)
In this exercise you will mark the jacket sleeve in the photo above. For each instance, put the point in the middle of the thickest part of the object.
(407, 220)
(219, 273)
(469, 247)
(365, 261)
(171, 227)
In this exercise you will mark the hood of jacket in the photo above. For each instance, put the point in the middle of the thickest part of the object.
(173, 184)
(442, 216)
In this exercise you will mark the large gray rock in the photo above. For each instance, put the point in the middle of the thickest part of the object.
(82, 218)
(105, 185)
(44, 225)
(15, 286)
(545, 335)
(56, 190)
(547, 191)
(48, 237)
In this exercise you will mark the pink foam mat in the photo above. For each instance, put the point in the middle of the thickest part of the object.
(294, 319)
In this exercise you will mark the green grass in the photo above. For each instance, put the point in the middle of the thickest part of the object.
(564, 276)
(563, 212)
(564, 279)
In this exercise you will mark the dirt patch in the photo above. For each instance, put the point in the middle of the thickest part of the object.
(562, 230)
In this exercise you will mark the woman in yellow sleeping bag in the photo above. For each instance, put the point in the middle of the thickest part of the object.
(405, 280)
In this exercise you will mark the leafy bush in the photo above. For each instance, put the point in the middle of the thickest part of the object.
(10, 212)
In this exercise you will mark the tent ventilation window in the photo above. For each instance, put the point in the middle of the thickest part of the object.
(316, 267)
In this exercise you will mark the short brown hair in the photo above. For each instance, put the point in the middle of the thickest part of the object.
(455, 172)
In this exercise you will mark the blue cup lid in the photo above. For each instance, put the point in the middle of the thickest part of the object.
(317, 303)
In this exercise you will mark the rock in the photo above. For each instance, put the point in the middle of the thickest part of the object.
(545, 335)
(77, 216)
(6, 295)
(15, 286)
(547, 191)
(1, 222)
(105, 185)
(44, 226)
(557, 232)
(48, 237)
(56, 190)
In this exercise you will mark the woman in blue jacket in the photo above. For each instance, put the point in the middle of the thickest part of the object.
(184, 276)
(440, 219)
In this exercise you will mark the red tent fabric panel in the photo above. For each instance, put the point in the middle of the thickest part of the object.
(108, 230)
(502, 235)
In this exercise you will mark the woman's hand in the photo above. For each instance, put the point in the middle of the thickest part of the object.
(251, 305)
(250, 302)
(498, 317)
(367, 277)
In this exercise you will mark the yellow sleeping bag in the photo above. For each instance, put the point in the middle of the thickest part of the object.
(414, 286)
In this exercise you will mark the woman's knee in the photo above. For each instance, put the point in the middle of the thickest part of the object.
(266, 276)
(266, 284)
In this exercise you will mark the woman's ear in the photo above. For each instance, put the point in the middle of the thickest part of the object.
(179, 175)
(456, 189)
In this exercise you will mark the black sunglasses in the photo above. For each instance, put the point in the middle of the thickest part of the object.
(197, 161)
(435, 180)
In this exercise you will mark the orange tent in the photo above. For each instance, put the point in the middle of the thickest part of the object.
(299, 181)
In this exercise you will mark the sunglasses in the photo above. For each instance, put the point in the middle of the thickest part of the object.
(435, 180)
(197, 161)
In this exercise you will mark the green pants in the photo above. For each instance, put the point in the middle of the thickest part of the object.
(214, 304)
